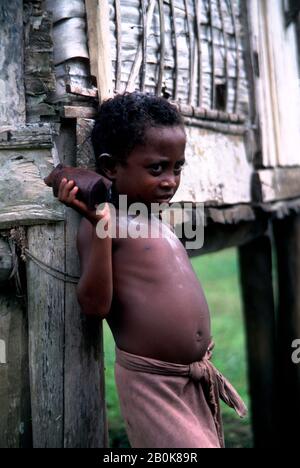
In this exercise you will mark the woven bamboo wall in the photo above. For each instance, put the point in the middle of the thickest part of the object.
(190, 50)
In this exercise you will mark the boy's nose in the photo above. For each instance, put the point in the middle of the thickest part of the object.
(169, 183)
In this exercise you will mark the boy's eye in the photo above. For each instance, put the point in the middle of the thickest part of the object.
(180, 166)
(156, 168)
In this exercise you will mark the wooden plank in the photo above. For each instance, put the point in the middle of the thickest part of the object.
(91, 14)
(27, 136)
(220, 127)
(46, 297)
(276, 48)
(210, 174)
(287, 242)
(258, 298)
(12, 96)
(105, 75)
(78, 112)
(80, 91)
(232, 215)
(38, 64)
(15, 420)
(24, 197)
(28, 215)
(85, 152)
(84, 410)
(99, 46)
(218, 237)
(276, 184)
(281, 209)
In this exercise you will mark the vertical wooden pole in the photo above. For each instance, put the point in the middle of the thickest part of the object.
(15, 417)
(15, 424)
(84, 400)
(287, 241)
(257, 291)
(66, 356)
(46, 335)
(12, 95)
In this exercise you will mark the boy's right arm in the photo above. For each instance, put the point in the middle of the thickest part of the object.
(95, 288)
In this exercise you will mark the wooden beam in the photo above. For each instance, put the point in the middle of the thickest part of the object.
(78, 112)
(276, 184)
(28, 136)
(79, 91)
(232, 215)
(66, 356)
(99, 45)
(84, 404)
(91, 14)
(15, 420)
(12, 95)
(28, 215)
(287, 242)
(276, 81)
(258, 297)
(223, 236)
(24, 197)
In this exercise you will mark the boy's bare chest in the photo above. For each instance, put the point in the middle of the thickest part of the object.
(146, 238)
(152, 260)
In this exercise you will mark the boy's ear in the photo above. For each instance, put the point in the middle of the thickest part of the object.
(107, 163)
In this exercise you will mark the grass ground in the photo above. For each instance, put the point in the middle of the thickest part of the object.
(218, 274)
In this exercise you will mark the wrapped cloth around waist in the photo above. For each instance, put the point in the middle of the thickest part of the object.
(214, 384)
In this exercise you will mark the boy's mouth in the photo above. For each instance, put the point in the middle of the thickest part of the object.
(165, 197)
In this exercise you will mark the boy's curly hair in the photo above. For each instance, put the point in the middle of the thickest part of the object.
(122, 121)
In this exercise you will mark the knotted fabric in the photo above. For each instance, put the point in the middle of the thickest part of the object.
(209, 380)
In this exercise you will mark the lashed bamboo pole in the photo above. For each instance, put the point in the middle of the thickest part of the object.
(176, 54)
(220, 4)
(238, 71)
(191, 57)
(119, 44)
(144, 45)
(139, 54)
(199, 45)
(213, 84)
(162, 47)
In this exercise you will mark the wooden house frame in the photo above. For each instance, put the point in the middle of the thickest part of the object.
(232, 67)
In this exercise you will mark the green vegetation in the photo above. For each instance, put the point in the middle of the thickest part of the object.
(218, 274)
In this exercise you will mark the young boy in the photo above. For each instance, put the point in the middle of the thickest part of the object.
(146, 288)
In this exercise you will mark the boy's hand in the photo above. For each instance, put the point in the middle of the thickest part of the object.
(67, 195)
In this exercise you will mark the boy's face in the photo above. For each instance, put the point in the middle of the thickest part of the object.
(152, 171)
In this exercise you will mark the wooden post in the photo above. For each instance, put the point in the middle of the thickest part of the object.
(85, 419)
(46, 335)
(12, 95)
(257, 292)
(66, 358)
(99, 45)
(15, 419)
(287, 241)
